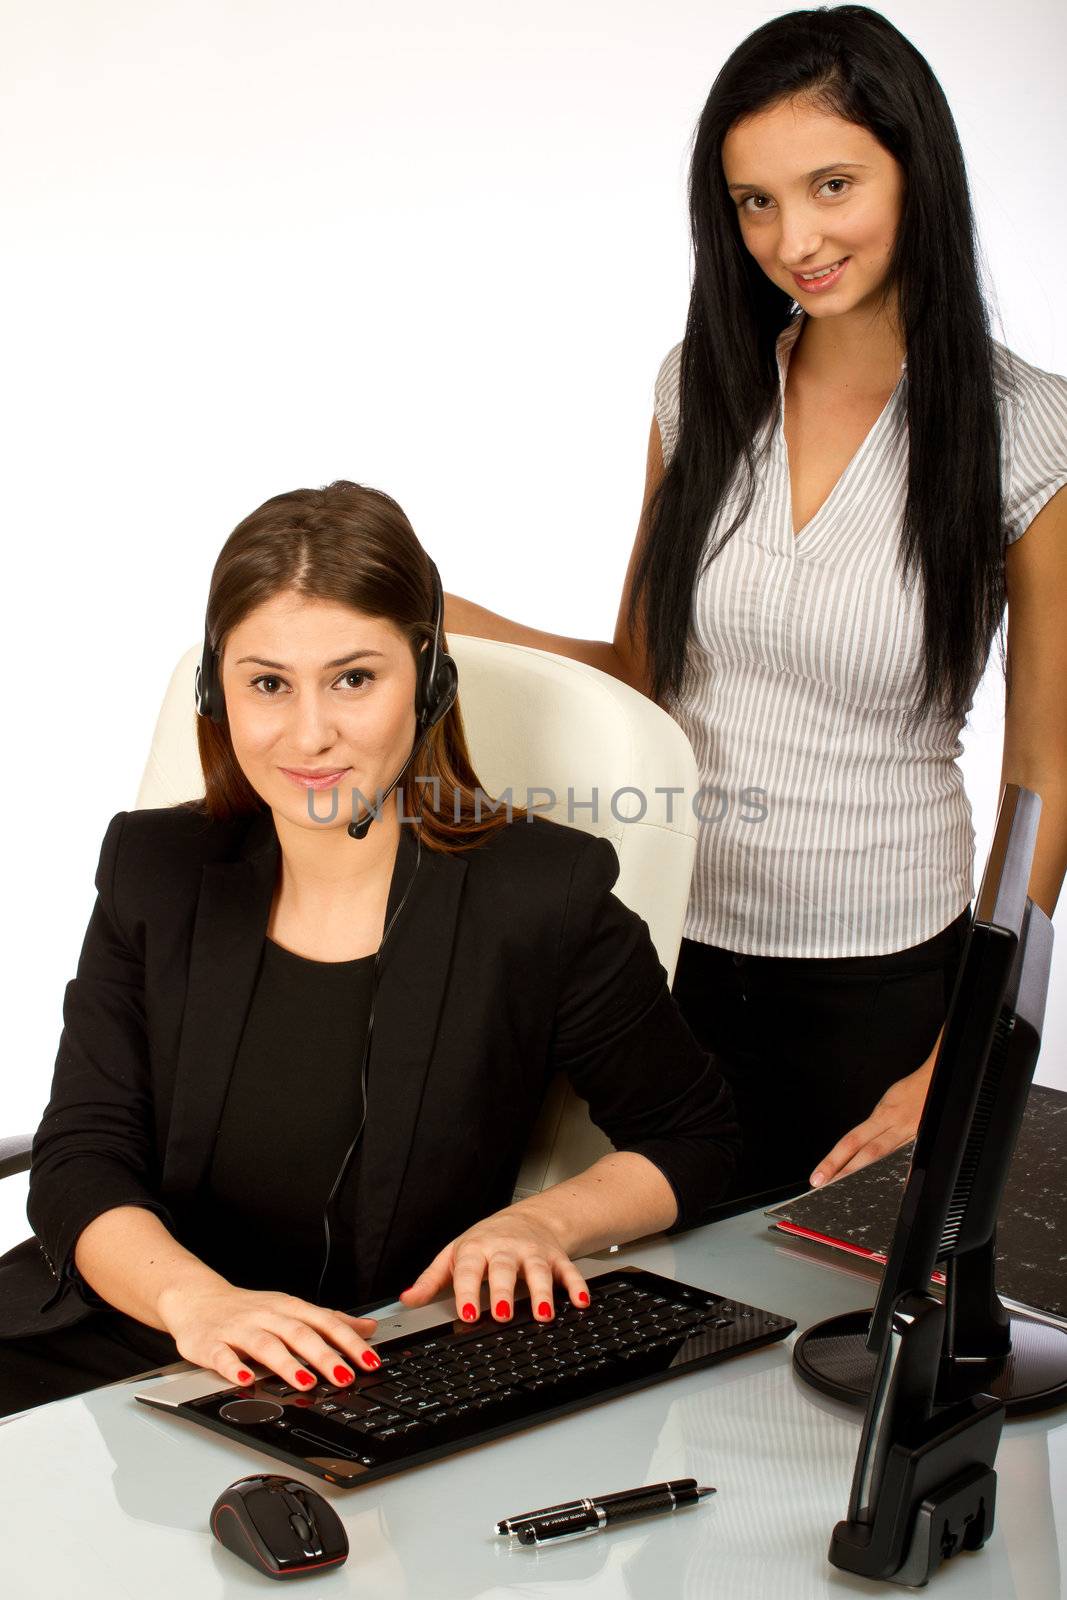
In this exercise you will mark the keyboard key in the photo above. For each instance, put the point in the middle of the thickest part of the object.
(364, 1407)
(388, 1419)
(384, 1393)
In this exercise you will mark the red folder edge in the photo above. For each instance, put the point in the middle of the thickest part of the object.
(839, 1244)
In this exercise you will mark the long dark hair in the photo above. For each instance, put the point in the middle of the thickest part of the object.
(851, 61)
(353, 545)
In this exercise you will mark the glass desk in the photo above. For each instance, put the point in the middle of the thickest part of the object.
(103, 1495)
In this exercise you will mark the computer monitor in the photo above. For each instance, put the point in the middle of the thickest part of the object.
(963, 1149)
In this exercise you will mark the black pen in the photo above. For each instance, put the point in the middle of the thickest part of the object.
(575, 1519)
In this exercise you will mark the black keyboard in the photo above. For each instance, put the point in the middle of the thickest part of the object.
(456, 1385)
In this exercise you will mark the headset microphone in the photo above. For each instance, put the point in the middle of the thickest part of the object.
(360, 829)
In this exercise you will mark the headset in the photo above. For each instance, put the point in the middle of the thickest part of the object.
(436, 685)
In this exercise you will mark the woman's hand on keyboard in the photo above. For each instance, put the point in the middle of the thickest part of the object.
(226, 1329)
(504, 1247)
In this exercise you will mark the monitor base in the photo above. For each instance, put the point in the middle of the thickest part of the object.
(832, 1356)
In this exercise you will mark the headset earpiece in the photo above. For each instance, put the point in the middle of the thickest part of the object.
(438, 675)
(440, 695)
(209, 700)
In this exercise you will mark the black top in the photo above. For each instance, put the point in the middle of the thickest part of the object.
(291, 1113)
(510, 962)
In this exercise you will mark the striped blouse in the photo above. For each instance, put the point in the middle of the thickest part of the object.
(827, 829)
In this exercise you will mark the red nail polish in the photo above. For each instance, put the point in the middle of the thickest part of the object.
(304, 1377)
(244, 1377)
(544, 1309)
(503, 1309)
(343, 1375)
(371, 1360)
(583, 1298)
(470, 1313)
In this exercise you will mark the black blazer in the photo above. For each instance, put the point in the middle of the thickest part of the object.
(507, 963)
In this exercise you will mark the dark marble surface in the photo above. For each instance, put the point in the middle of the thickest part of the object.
(861, 1209)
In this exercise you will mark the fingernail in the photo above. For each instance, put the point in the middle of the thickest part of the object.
(544, 1309)
(503, 1309)
(470, 1313)
(244, 1377)
(371, 1360)
(583, 1298)
(343, 1375)
(304, 1377)
(816, 1180)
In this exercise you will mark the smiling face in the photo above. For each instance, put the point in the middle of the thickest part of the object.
(812, 190)
(316, 686)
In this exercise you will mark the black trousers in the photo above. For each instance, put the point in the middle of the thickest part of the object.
(809, 1045)
(104, 1347)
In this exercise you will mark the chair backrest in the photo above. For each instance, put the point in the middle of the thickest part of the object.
(578, 746)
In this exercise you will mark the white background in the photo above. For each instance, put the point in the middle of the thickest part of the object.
(254, 246)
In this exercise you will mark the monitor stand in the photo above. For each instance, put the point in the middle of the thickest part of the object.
(1018, 1357)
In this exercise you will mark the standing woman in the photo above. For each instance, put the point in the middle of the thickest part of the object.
(841, 467)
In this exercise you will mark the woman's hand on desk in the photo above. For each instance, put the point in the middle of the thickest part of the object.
(504, 1247)
(894, 1120)
(226, 1328)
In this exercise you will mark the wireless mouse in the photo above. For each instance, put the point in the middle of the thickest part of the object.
(279, 1526)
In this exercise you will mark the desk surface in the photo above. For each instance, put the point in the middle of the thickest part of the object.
(105, 1491)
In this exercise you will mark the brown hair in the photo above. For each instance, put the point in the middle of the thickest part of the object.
(353, 545)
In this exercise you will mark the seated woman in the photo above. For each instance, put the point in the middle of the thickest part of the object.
(224, 1159)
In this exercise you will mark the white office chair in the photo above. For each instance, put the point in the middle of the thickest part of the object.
(564, 735)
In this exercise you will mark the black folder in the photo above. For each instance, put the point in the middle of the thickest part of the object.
(857, 1213)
